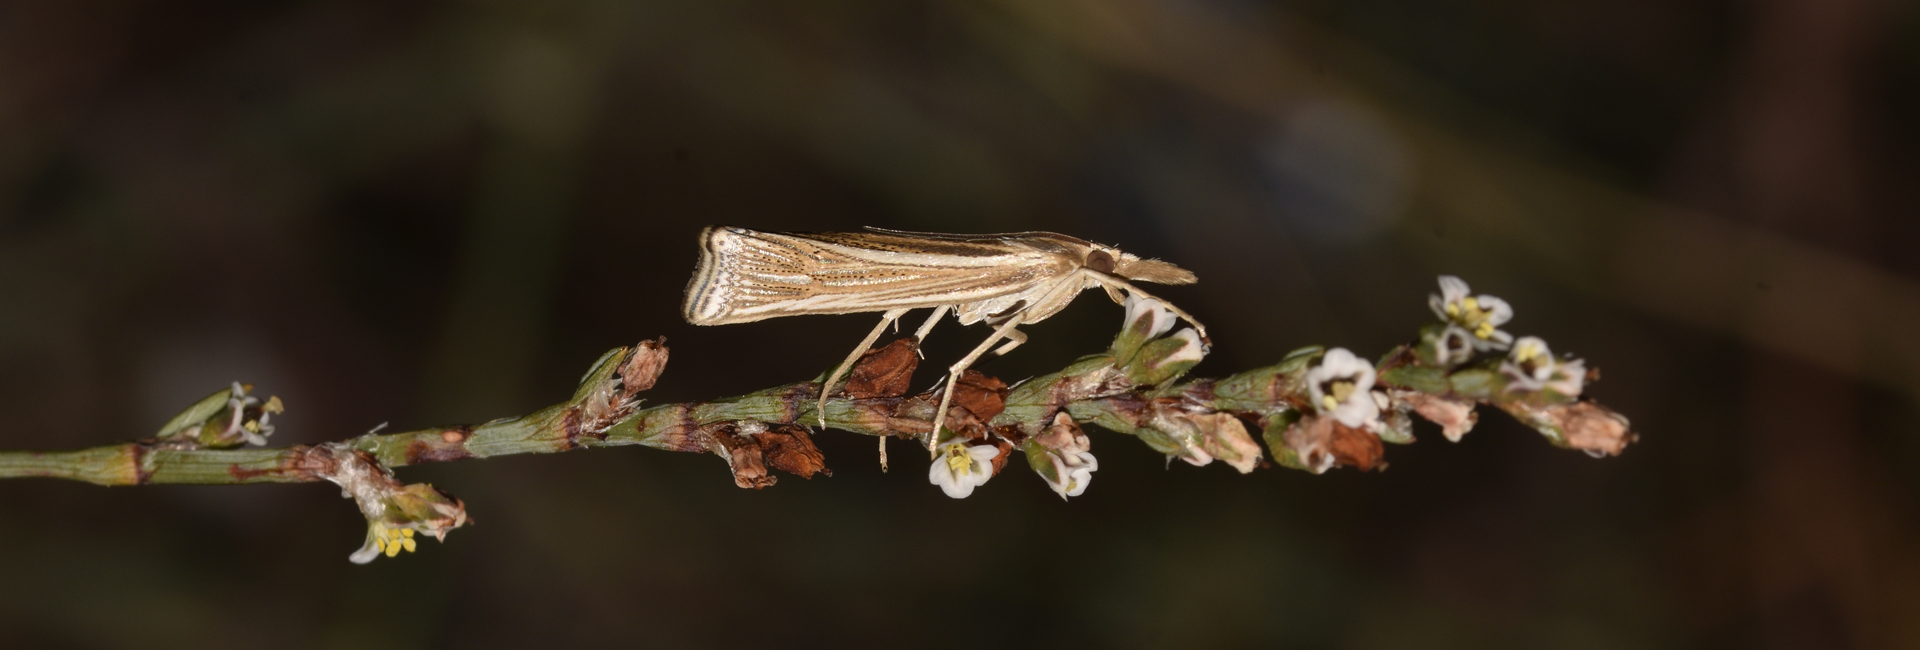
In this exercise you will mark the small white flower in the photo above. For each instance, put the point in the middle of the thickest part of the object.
(1342, 386)
(254, 431)
(1530, 367)
(960, 467)
(1075, 470)
(1481, 315)
(1064, 451)
(1163, 318)
(1454, 346)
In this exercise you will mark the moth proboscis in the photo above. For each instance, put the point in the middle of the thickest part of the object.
(1005, 280)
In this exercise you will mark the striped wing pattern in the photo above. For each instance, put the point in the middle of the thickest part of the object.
(746, 276)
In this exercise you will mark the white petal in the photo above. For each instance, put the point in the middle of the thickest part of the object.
(1363, 381)
(1518, 379)
(1453, 289)
(1499, 340)
(1446, 353)
(938, 473)
(1081, 478)
(1498, 311)
(1573, 378)
(1329, 368)
(1195, 454)
(1079, 482)
(957, 487)
(1163, 318)
(1059, 471)
(1088, 462)
(367, 552)
(1358, 410)
(1341, 362)
(1193, 350)
(979, 469)
(958, 490)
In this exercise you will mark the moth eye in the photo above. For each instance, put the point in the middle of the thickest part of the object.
(1100, 261)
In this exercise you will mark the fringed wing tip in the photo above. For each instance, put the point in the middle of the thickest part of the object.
(698, 305)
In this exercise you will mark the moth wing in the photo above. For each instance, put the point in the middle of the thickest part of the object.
(745, 276)
(740, 269)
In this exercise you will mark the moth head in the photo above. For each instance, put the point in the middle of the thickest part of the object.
(1112, 261)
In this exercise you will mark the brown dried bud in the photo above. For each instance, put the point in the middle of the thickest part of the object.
(1204, 436)
(1582, 425)
(606, 397)
(749, 469)
(1591, 428)
(960, 422)
(1321, 443)
(1063, 436)
(750, 448)
(884, 371)
(1455, 416)
(643, 366)
(980, 394)
(1005, 450)
(790, 449)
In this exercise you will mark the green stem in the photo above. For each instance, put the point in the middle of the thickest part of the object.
(1129, 389)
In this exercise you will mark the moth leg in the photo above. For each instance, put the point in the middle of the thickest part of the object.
(953, 377)
(845, 366)
(1014, 339)
(1111, 282)
(920, 336)
(1114, 294)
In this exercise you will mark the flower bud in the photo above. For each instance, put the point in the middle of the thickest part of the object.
(1061, 457)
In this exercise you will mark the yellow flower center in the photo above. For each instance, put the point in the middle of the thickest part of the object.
(1527, 352)
(958, 460)
(1467, 312)
(393, 540)
(1337, 392)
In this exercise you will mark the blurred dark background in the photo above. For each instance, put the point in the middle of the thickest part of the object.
(429, 213)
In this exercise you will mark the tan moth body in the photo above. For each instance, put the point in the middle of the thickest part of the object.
(745, 276)
(1004, 279)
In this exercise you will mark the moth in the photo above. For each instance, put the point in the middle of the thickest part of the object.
(1005, 280)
